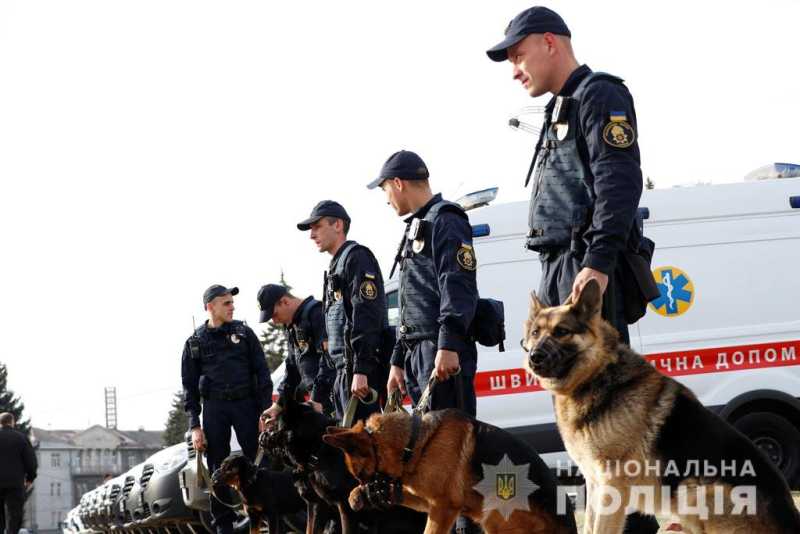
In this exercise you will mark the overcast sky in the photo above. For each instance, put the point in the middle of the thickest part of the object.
(151, 148)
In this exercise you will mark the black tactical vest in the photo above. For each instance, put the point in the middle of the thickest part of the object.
(304, 346)
(224, 358)
(561, 201)
(335, 313)
(419, 286)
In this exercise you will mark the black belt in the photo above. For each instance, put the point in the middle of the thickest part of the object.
(229, 394)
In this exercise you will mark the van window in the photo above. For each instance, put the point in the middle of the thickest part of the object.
(393, 307)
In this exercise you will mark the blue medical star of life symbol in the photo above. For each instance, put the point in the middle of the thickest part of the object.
(677, 291)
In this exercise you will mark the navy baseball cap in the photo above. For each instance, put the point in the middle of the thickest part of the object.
(537, 19)
(217, 291)
(405, 165)
(268, 295)
(326, 208)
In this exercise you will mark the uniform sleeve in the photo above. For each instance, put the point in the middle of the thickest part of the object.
(190, 377)
(258, 364)
(326, 374)
(291, 374)
(29, 461)
(456, 265)
(616, 170)
(368, 302)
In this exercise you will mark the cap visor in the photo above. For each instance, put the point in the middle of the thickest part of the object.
(376, 183)
(500, 51)
(306, 225)
(265, 316)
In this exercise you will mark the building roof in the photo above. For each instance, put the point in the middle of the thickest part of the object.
(126, 439)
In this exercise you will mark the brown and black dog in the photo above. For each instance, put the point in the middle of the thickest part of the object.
(268, 495)
(643, 440)
(455, 466)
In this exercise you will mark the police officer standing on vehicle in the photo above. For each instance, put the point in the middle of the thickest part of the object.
(223, 366)
(585, 171)
(438, 291)
(355, 311)
(306, 363)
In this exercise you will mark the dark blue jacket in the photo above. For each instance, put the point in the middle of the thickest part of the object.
(612, 173)
(17, 459)
(229, 359)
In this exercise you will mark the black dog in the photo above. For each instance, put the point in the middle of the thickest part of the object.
(324, 471)
(267, 494)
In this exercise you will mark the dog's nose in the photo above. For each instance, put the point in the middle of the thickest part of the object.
(545, 349)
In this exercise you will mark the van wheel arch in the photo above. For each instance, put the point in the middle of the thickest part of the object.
(772, 420)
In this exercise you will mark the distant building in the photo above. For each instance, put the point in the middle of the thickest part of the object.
(72, 462)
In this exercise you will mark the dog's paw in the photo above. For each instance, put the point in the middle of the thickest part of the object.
(358, 498)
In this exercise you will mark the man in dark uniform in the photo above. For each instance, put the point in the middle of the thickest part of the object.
(223, 366)
(586, 175)
(438, 292)
(356, 316)
(17, 472)
(306, 363)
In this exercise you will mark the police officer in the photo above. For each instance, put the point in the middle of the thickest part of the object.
(585, 171)
(355, 310)
(306, 363)
(438, 292)
(223, 366)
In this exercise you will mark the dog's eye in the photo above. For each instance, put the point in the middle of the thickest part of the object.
(560, 332)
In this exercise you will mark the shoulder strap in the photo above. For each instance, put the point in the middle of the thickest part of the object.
(341, 261)
(594, 76)
(445, 205)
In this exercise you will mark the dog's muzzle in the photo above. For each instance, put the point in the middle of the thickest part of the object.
(546, 349)
(550, 358)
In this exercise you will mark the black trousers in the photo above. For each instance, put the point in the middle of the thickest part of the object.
(341, 393)
(559, 269)
(12, 502)
(218, 418)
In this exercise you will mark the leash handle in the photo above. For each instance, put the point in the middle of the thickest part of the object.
(394, 402)
(352, 405)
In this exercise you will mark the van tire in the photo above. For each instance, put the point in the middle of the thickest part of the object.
(778, 438)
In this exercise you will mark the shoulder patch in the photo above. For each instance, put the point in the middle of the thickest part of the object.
(368, 290)
(466, 257)
(618, 132)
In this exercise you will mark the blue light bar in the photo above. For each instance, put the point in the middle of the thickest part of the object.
(480, 230)
(794, 202)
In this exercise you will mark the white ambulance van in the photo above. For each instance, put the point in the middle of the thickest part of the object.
(727, 323)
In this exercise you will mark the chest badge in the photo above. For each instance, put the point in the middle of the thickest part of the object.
(417, 245)
(302, 345)
(618, 132)
(235, 339)
(368, 290)
(561, 129)
(466, 257)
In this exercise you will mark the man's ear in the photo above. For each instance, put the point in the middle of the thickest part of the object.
(536, 305)
(590, 300)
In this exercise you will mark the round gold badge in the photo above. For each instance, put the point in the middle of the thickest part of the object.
(466, 258)
(368, 290)
(619, 134)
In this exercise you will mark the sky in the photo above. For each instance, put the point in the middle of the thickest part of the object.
(149, 149)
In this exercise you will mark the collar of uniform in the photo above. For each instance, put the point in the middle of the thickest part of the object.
(338, 253)
(420, 213)
(224, 327)
(572, 83)
(298, 313)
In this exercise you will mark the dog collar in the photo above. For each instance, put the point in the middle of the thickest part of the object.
(408, 451)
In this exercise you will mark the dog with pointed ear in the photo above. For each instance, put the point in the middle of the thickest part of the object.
(565, 345)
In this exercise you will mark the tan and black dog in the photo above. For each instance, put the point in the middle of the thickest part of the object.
(448, 464)
(643, 437)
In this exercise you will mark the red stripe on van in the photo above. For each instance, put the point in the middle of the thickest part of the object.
(681, 363)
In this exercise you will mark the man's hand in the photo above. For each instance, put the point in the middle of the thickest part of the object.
(583, 277)
(198, 439)
(269, 415)
(397, 380)
(316, 405)
(360, 386)
(446, 364)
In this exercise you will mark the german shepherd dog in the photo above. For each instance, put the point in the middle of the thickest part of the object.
(322, 468)
(267, 494)
(644, 438)
(455, 466)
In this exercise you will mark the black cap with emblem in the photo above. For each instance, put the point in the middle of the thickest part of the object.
(217, 291)
(537, 19)
(325, 208)
(403, 164)
(268, 296)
